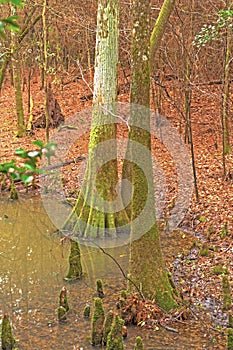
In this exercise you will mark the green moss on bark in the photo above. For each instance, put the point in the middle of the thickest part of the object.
(147, 270)
(61, 313)
(229, 339)
(96, 220)
(97, 322)
(107, 326)
(99, 288)
(75, 266)
(227, 302)
(63, 299)
(8, 340)
(138, 344)
(230, 319)
(115, 338)
(87, 311)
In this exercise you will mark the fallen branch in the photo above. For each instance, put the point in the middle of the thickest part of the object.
(53, 167)
(122, 271)
(60, 165)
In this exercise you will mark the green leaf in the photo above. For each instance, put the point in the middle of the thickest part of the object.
(6, 167)
(18, 3)
(21, 153)
(11, 23)
(13, 27)
(29, 167)
(15, 176)
(26, 178)
(10, 19)
(38, 143)
(2, 34)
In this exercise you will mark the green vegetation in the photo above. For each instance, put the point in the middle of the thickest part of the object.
(27, 169)
(75, 266)
(87, 310)
(224, 231)
(227, 302)
(8, 340)
(115, 338)
(138, 344)
(229, 338)
(10, 22)
(97, 322)
(218, 270)
(107, 325)
(63, 299)
(204, 250)
(99, 288)
(61, 313)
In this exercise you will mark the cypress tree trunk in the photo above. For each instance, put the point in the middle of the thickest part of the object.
(146, 264)
(94, 208)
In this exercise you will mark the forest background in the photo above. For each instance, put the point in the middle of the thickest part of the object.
(190, 85)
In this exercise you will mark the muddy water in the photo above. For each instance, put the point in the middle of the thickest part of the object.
(33, 264)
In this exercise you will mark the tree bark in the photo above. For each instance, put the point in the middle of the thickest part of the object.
(146, 264)
(160, 26)
(21, 129)
(226, 92)
(94, 206)
(45, 67)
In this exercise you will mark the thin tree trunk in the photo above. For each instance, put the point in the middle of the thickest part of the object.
(21, 35)
(226, 93)
(45, 67)
(188, 73)
(15, 60)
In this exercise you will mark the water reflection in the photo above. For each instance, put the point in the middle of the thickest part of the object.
(33, 263)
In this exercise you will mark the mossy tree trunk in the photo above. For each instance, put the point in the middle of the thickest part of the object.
(146, 264)
(94, 209)
(15, 60)
(159, 28)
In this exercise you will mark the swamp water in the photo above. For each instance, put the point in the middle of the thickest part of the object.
(33, 265)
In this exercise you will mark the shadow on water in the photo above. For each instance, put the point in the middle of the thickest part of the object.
(33, 264)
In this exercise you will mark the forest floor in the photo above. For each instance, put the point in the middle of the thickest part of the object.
(209, 220)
